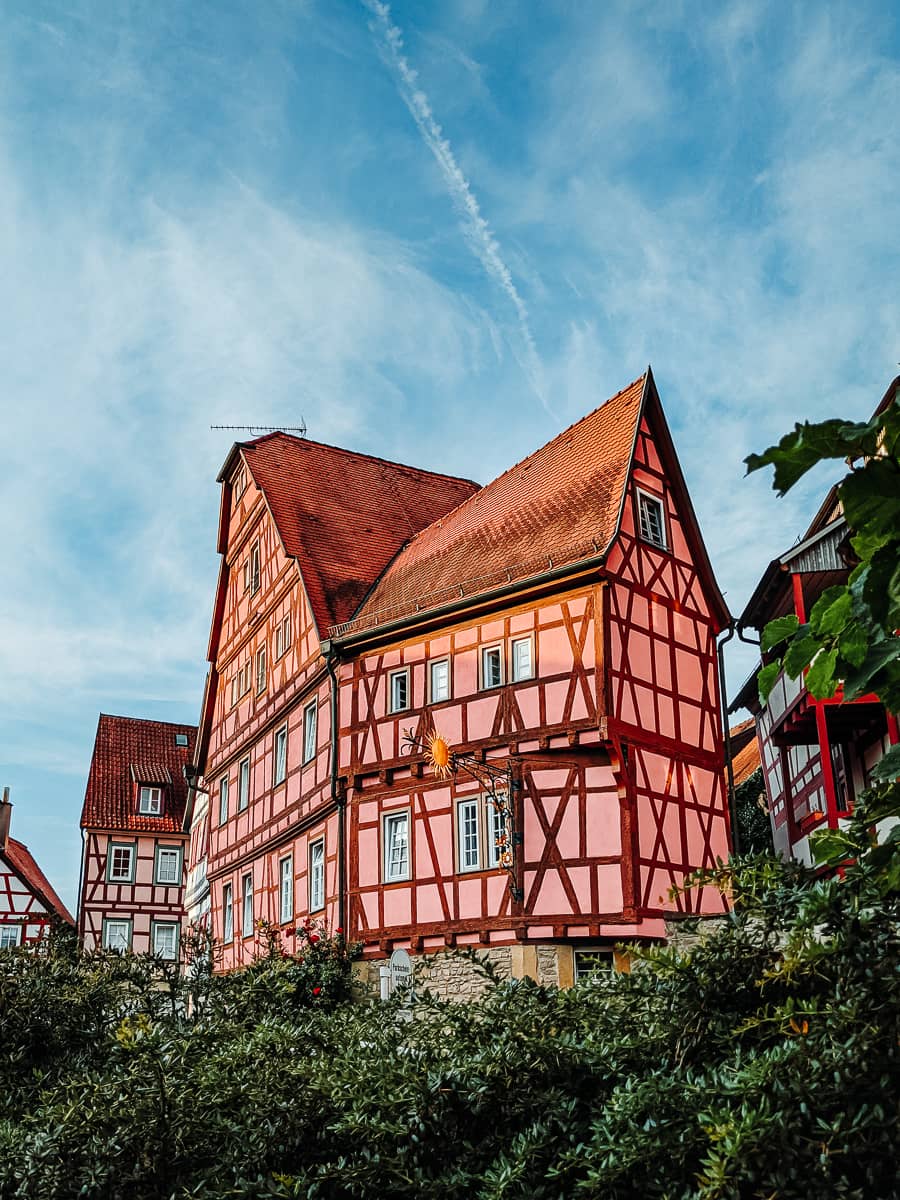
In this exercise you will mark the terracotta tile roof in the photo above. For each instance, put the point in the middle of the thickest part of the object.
(19, 857)
(110, 800)
(556, 506)
(744, 751)
(344, 515)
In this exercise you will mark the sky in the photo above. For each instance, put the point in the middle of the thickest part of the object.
(439, 233)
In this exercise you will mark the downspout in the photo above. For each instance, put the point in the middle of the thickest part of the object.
(339, 799)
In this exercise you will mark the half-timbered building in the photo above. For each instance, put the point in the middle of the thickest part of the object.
(28, 903)
(132, 824)
(555, 629)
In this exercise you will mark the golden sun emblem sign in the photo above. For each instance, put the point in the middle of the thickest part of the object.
(437, 754)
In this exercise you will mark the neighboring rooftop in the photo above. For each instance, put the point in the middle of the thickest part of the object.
(744, 751)
(344, 515)
(129, 751)
(20, 859)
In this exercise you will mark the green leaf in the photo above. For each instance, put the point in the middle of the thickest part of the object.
(878, 657)
(778, 631)
(765, 680)
(831, 846)
(820, 680)
(831, 616)
(871, 497)
(809, 444)
(800, 654)
(853, 644)
(888, 768)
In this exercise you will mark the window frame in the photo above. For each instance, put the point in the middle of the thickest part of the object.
(243, 792)
(227, 913)
(642, 494)
(261, 671)
(468, 802)
(490, 648)
(157, 854)
(387, 820)
(247, 896)
(281, 733)
(604, 952)
(181, 739)
(393, 677)
(7, 928)
(283, 636)
(223, 800)
(285, 878)
(253, 562)
(526, 639)
(491, 850)
(310, 731)
(175, 926)
(150, 812)
(131, 847)
(104, 938)
(239, 485)
(439, 662)
(316, 871)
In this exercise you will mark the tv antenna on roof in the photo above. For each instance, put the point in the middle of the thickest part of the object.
(254, 429)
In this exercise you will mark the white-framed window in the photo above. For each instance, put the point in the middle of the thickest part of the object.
(283, 636)
(243, 784)
(251, 570)
(165, 939)
(245, 678)
(168, 865)
(310, 730)
(260, 670)
(439, 680)
(235, 690)
(589, 964)
(227, 913)
(396, 846)
(10, 935)
(279, 772)
(522, 658)
(651, 520)
(495, 828)
(491, 666)
(468, 834)
(247, 906)
(317, 875)
(116, 934)
(223, 799)
(120, 862)
(286, 889)
(398, 690)
(150, 801)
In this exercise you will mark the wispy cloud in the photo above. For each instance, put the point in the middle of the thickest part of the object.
(475, 228)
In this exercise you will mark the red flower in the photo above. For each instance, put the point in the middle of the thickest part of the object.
(340, 929)
(313, 938)
(316, 991)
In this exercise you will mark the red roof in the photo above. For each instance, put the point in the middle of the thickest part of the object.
(744, 751)
(344, 515)
(18, 856)
(560, 504)
(122, 744)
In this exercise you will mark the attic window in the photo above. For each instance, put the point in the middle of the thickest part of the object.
(150, 802)
(651, 520)
(181, 739)
(240, 483)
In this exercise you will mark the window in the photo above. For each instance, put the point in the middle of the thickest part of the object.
(317, 875)
(251, 570)
(467, 830)
(223, 799)
(150, 801)
(165, 939)
(399, 690)
(439, 680)
(243, 784)
(651, 520)
(286, 889)
(116, 934)
(240, 683)
(396, 846)
(181, 739)
(240, 483)
(496, 832)
(168, 865)
(227, 914)
(591, 963)
(247, 906)
(10, 936)
(310, 720)
(491, 666)
(120, 863)
(283, 636)
(261, 670)
(280, 771)
(522, 659)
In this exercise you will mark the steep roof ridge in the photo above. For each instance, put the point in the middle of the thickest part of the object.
(534, 453)
(149, 721)
(373, 458)
(25, 864)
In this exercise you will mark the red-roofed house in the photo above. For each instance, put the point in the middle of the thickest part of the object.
(557, 627)
(28, 903)
(132, 869)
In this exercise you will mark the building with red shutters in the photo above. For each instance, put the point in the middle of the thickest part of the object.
(28, 903)
(132, 824)
(556, 628)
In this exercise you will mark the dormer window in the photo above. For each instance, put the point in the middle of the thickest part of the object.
(150, 801)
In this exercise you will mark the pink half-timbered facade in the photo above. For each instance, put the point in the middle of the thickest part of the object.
(28, 903)
(557, 628)
(134, 841)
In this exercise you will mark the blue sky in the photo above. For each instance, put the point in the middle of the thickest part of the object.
(440, 233)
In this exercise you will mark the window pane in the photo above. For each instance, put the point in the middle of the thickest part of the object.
(651, 518)
(467, 813)
(9, 936)
(440, 681)
(522, 668)
(151, 801)
(117, 935)
(287, 889)
(261, 670)
(317, 875)
(165, 940)
(491, 667)
(223, 799)
(397, 838)
(247, 913)
(120, 868)
(168, 865)
(244, 785)
(399, 691)
(496, 826)
(227, 914)
(280, 755)
(310, 719)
